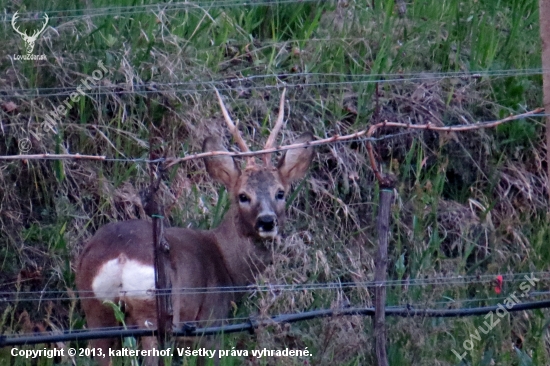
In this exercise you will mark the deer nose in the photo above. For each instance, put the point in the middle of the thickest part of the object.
(266, 222)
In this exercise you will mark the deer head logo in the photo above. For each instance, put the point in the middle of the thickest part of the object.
(29, 40)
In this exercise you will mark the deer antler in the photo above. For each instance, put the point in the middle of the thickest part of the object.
(275, 131)
(234, 131)
(36, 33)
(15, 16)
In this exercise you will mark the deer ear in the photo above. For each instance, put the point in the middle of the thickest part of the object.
(221, 168)
(294, 164)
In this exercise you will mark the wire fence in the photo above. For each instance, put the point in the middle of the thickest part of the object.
(448, 307)
(363, 135)
(278, 288)
(73, 14)
(259, 82)
(173, 161)
(191, 330)
(294, 80)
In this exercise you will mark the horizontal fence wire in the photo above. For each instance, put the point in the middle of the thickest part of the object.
(294, 80)
(6, 296)
(47, 156)
(229, 321)
(107, 127)
(190, 330)
(72, 14)
(363, 135)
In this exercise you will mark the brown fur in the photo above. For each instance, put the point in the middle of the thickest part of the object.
(229, 255)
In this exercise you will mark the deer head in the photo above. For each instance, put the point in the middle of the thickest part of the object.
(29, 40)
(117, 264)
(258, 192)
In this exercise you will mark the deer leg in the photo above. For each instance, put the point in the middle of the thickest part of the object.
(149, 343)
(100, 316)
(142, 313)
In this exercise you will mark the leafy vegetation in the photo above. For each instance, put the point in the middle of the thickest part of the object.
(470, 204)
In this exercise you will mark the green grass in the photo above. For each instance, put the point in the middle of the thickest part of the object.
(471, 205)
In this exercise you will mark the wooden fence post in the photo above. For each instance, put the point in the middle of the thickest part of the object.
(544, 24)
(154, 207)
(162, 283)
(381, 263)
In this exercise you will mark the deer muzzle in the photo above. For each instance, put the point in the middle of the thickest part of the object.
(266, 225)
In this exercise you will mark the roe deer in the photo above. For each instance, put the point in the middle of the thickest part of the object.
(117, 263)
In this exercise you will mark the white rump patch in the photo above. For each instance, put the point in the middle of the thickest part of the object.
(138, 280)
(107, 283)
(123, 277)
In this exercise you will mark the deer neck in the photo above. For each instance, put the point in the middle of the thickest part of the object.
(244, 257)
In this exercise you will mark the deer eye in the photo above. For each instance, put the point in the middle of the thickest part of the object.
(280, 195)
(243, 198)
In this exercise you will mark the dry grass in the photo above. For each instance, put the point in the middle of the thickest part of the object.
(468, 204)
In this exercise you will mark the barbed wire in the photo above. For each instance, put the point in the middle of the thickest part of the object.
(363, 135)
(173, 161)
(190, 330)
(270, 288)
(231, 320)
(109, 127)
(279, 288)
(409, 304)
(283, 80)
(140, 9)
(401, 305)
